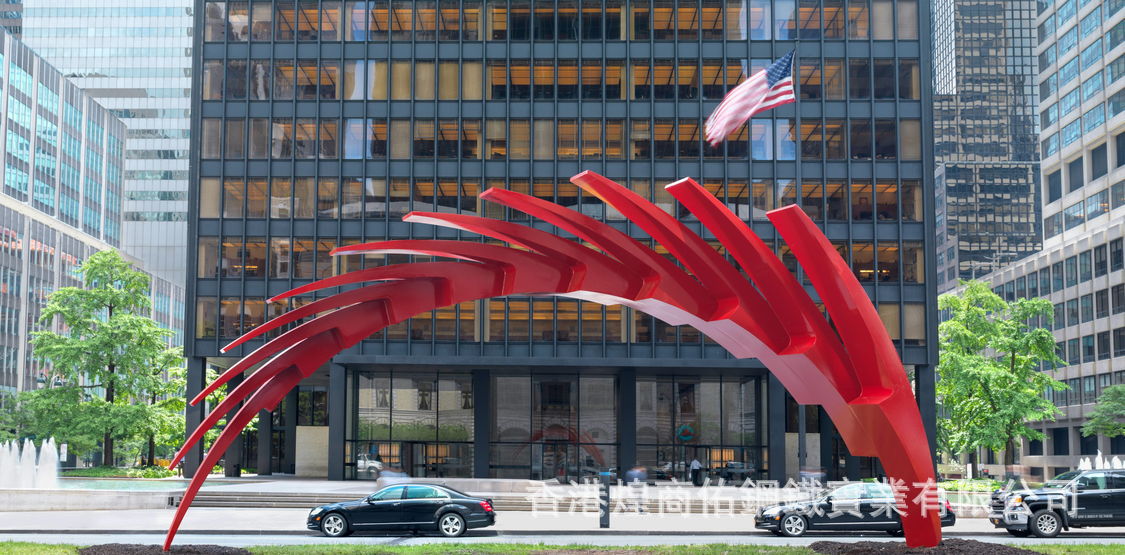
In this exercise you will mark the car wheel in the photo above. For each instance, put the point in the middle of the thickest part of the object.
(334, 525)
(793, 525)
(1045, 523)
(895, 533)
(1019, 533)
(451, 525)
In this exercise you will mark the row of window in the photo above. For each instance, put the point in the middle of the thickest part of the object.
(1084, 210)
(564, 20)
(1088, 307)
(1085, 390)
(549, 139)
(1073, 100)
(1076, 269)
(861, 78)
(307, 198)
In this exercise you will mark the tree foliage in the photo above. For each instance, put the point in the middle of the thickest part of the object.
(1108, 416)
(990, 385)
(108, 356)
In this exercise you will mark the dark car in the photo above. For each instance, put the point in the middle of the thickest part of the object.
(414, 507)
(858, 506)
(1074, 499)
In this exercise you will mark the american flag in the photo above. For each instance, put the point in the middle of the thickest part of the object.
(766, 89)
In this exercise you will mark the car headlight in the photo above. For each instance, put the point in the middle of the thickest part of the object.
(316, 510)
(1016, 500)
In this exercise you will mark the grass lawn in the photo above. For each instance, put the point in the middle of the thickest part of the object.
(27, 548)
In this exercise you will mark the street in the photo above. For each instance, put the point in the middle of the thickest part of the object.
(485, 536)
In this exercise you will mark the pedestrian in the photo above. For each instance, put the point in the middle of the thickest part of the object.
(696, 472)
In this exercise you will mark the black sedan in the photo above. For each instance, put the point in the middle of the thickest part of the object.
(858, 506)
(413, 507)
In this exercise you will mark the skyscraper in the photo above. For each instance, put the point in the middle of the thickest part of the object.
(1081, 268)
(63, 156)
(134, 57)
(322, 124)
(987, 173)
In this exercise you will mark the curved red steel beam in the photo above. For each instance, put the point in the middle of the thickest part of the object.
(863, 389)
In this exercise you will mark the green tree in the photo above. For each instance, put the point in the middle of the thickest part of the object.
(990, 386)
(1108, 416)
(100, 339)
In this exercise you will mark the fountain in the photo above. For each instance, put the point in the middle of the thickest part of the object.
(22, 469)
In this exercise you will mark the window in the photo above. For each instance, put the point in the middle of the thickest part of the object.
(1119, 342)
(1068, 40)
(1054, 186)
(1086, 307)
(1092, 22)
(1103, 345)
(1116, 255)
(1050, 145)
(1099, 165)
(1101, 260)
(1116, 69)
(1071, 132)
(1045, 281)
(1085, 266)
(1073, 355)
(1047, 57)
(1049, 116)
(1091, 54)
(1089, 354)
(1075, 214)
(1065, 11)
(1060, 438)
(1093, 118)
(1097, 204)
(1072, 312)
(1057, 276)
(1117, 298)
(1072, 271)
(1048, 86)
(1092, 86)
(1074, 175)
(1068, 72)
(1117, 103)
(1070, 102)
(1060, 318)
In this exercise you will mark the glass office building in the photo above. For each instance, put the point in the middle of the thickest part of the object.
(63, 155)
(1081, 268)
(320, 124)
(134, 57)
(987, 173)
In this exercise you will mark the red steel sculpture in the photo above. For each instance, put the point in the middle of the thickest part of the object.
(853, 371)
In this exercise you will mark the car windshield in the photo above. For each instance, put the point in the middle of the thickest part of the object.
(1063, 479)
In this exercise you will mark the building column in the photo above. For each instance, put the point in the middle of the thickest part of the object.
(627, 420)
(290, 463)
(232, 459)
(193, 415)
(775, 401)
(482, 421)
(337, 419)
(827, 446)
(265, 443)
(925, 384)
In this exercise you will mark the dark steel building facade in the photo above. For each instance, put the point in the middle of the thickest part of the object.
(320, 124)
(985, 144)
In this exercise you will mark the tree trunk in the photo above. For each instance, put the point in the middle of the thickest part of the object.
(1010, 453)
(107, 440)
(151, 451)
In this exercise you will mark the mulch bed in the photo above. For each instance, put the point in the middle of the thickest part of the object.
(130, 549)
(947, 547)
